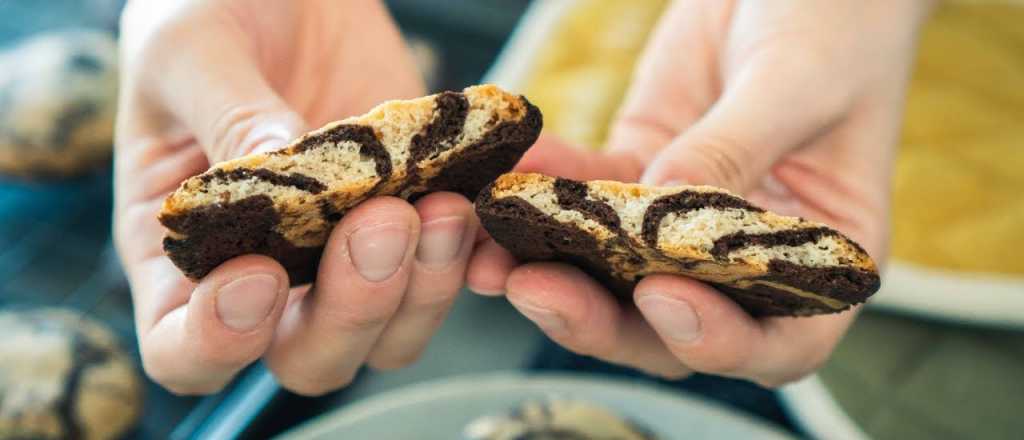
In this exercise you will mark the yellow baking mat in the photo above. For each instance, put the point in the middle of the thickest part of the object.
(958, 201)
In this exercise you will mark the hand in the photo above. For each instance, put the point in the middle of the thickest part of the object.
(205, 81)
(796, 105)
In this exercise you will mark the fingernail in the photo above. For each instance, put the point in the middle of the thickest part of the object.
(440, 241)
(269, 145)
(547, 320)
(273, 135)
(772, 186)
(244, 303)
(659, 179)
(378, 251)
(672, 318)
(485, 291)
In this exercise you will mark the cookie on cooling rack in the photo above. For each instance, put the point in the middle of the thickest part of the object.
(58, 93)
(63, 376)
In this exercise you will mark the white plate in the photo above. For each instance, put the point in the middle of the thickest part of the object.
(968, 298)
(440, 410)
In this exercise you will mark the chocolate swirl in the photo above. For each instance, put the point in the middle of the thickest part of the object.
(682, 202)
(296, 180)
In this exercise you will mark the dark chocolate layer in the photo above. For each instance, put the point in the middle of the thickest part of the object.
(686, 201)
(295, 180)
(531, 235)
(572, 195)
(473, 167)
(217, 233)
(788, 237)
(845, 283)
(450, 110)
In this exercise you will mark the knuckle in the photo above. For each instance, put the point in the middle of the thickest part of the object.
(395, 361)
(216, 356)
(723, 159)
(778, 381)
(432, 296)
(812, 362)
(352, 321)
(231, 127)
(163, 376)
(192, 389)
(809, 362)
(148, 34)
(770, 383)
(299, 376)
(728, 364)
(371, 309)
(672, 373)
(174, 380)
(311, 385)
(816, 360)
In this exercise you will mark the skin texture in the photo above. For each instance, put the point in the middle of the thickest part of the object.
(794, 104)
(210, 80)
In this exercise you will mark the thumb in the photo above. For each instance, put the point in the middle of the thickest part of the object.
(217, 89)
(764, 114)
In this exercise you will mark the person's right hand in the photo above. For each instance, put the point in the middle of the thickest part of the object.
(795, 105)
(209, 80)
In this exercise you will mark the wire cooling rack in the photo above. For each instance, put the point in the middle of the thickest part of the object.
(55, 251)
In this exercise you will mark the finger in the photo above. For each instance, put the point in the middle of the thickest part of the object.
(448, 228)
(364, 272)
(213, 84)
(195, 341)
(579, 314)
(554, 157)
(673, 82)
(489, 268)
(746, 131)
(712, 334)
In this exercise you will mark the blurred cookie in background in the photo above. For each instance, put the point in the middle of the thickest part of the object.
(63, 375)
(556, 420)
(24, 18)
(58, 93)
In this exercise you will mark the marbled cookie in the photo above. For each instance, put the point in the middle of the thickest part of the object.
(63, 376)
(283, 204)
(556, 419)
(58, 93)
(618, 232)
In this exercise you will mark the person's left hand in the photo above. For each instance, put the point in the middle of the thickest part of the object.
(203, 81)
(795, 105)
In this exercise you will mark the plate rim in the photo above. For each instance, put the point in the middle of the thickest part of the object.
(322, 426)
